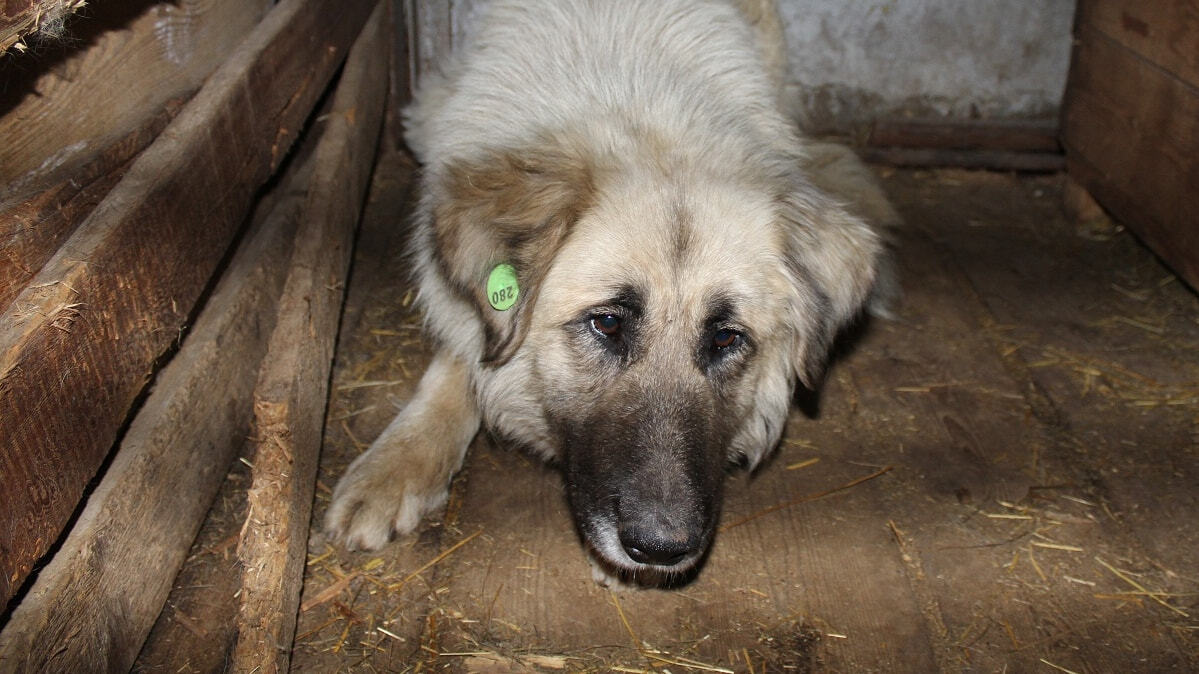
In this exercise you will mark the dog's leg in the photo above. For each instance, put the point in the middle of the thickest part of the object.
(406, 472)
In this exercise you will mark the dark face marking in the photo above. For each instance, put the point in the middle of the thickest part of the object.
(644, 474)
(645, 426)
(613, 326)
(726, 348)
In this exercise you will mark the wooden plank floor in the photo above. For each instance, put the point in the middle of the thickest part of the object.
(1036, 404)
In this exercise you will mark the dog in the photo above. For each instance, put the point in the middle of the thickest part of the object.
(628, 259)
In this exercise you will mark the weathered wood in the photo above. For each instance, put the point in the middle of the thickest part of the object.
(946, 134)
(1132, 138)
(22, 18)
(79, 344)
(1035, 162)
(59, 152)
(31, 231)
(86, 606)
(1166, 33)
(290, 398)
(1108, 471)
(120, 64)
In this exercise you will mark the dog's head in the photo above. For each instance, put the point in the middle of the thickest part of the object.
(664, 318)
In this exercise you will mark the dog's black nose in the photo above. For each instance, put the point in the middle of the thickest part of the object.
(655, 547)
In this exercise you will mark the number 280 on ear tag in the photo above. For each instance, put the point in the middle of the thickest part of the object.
(502, 289)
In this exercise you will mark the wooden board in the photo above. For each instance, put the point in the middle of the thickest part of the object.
(1002, 135)
(79, 344)
(197, 628)
(33, 229)
(60, 152)
(291, 394)
(154, 496)
(117, 67)
(380, 357)
(1164, 33)
(1097, 347)
(1132, 138)
(994, 160)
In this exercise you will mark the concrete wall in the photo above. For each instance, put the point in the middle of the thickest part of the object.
(854, 60)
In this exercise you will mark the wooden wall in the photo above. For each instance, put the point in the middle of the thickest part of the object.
(133, 156)
(1131, 119)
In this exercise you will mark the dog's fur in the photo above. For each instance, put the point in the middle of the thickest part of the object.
(633, 162)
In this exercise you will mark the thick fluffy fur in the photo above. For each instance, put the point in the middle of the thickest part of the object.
(684, 259)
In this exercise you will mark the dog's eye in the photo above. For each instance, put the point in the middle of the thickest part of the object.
(725, 339)
(607, 325)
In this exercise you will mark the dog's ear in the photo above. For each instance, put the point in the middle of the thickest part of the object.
(506, 208)
(831, 258)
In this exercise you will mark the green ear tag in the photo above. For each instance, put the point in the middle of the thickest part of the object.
(502, 289)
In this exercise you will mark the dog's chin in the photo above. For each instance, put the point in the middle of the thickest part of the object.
(612, 567)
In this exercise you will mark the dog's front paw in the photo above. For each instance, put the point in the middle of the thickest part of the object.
(380, 497)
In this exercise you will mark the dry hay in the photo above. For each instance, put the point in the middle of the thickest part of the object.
(45, 20)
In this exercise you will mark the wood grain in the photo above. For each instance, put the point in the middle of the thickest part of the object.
(1165, 33)
(33, 229)
(60, 152)
(291, 394)
(1132, 138)
(80, 343)
(118, 67)
(86, 606)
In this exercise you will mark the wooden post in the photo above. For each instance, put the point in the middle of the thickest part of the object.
(79, 344)
(292, 391)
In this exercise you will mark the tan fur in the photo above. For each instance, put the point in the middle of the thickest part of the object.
(683, 257)
(513, 208)
(412, 461)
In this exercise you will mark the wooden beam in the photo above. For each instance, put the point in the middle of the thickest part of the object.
(964, 134)
(79, 344)
(292, 391)
(59, 152)
(118, 65)
(34, 228)
(996, 160)
(1003, 145)
(97, 599)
